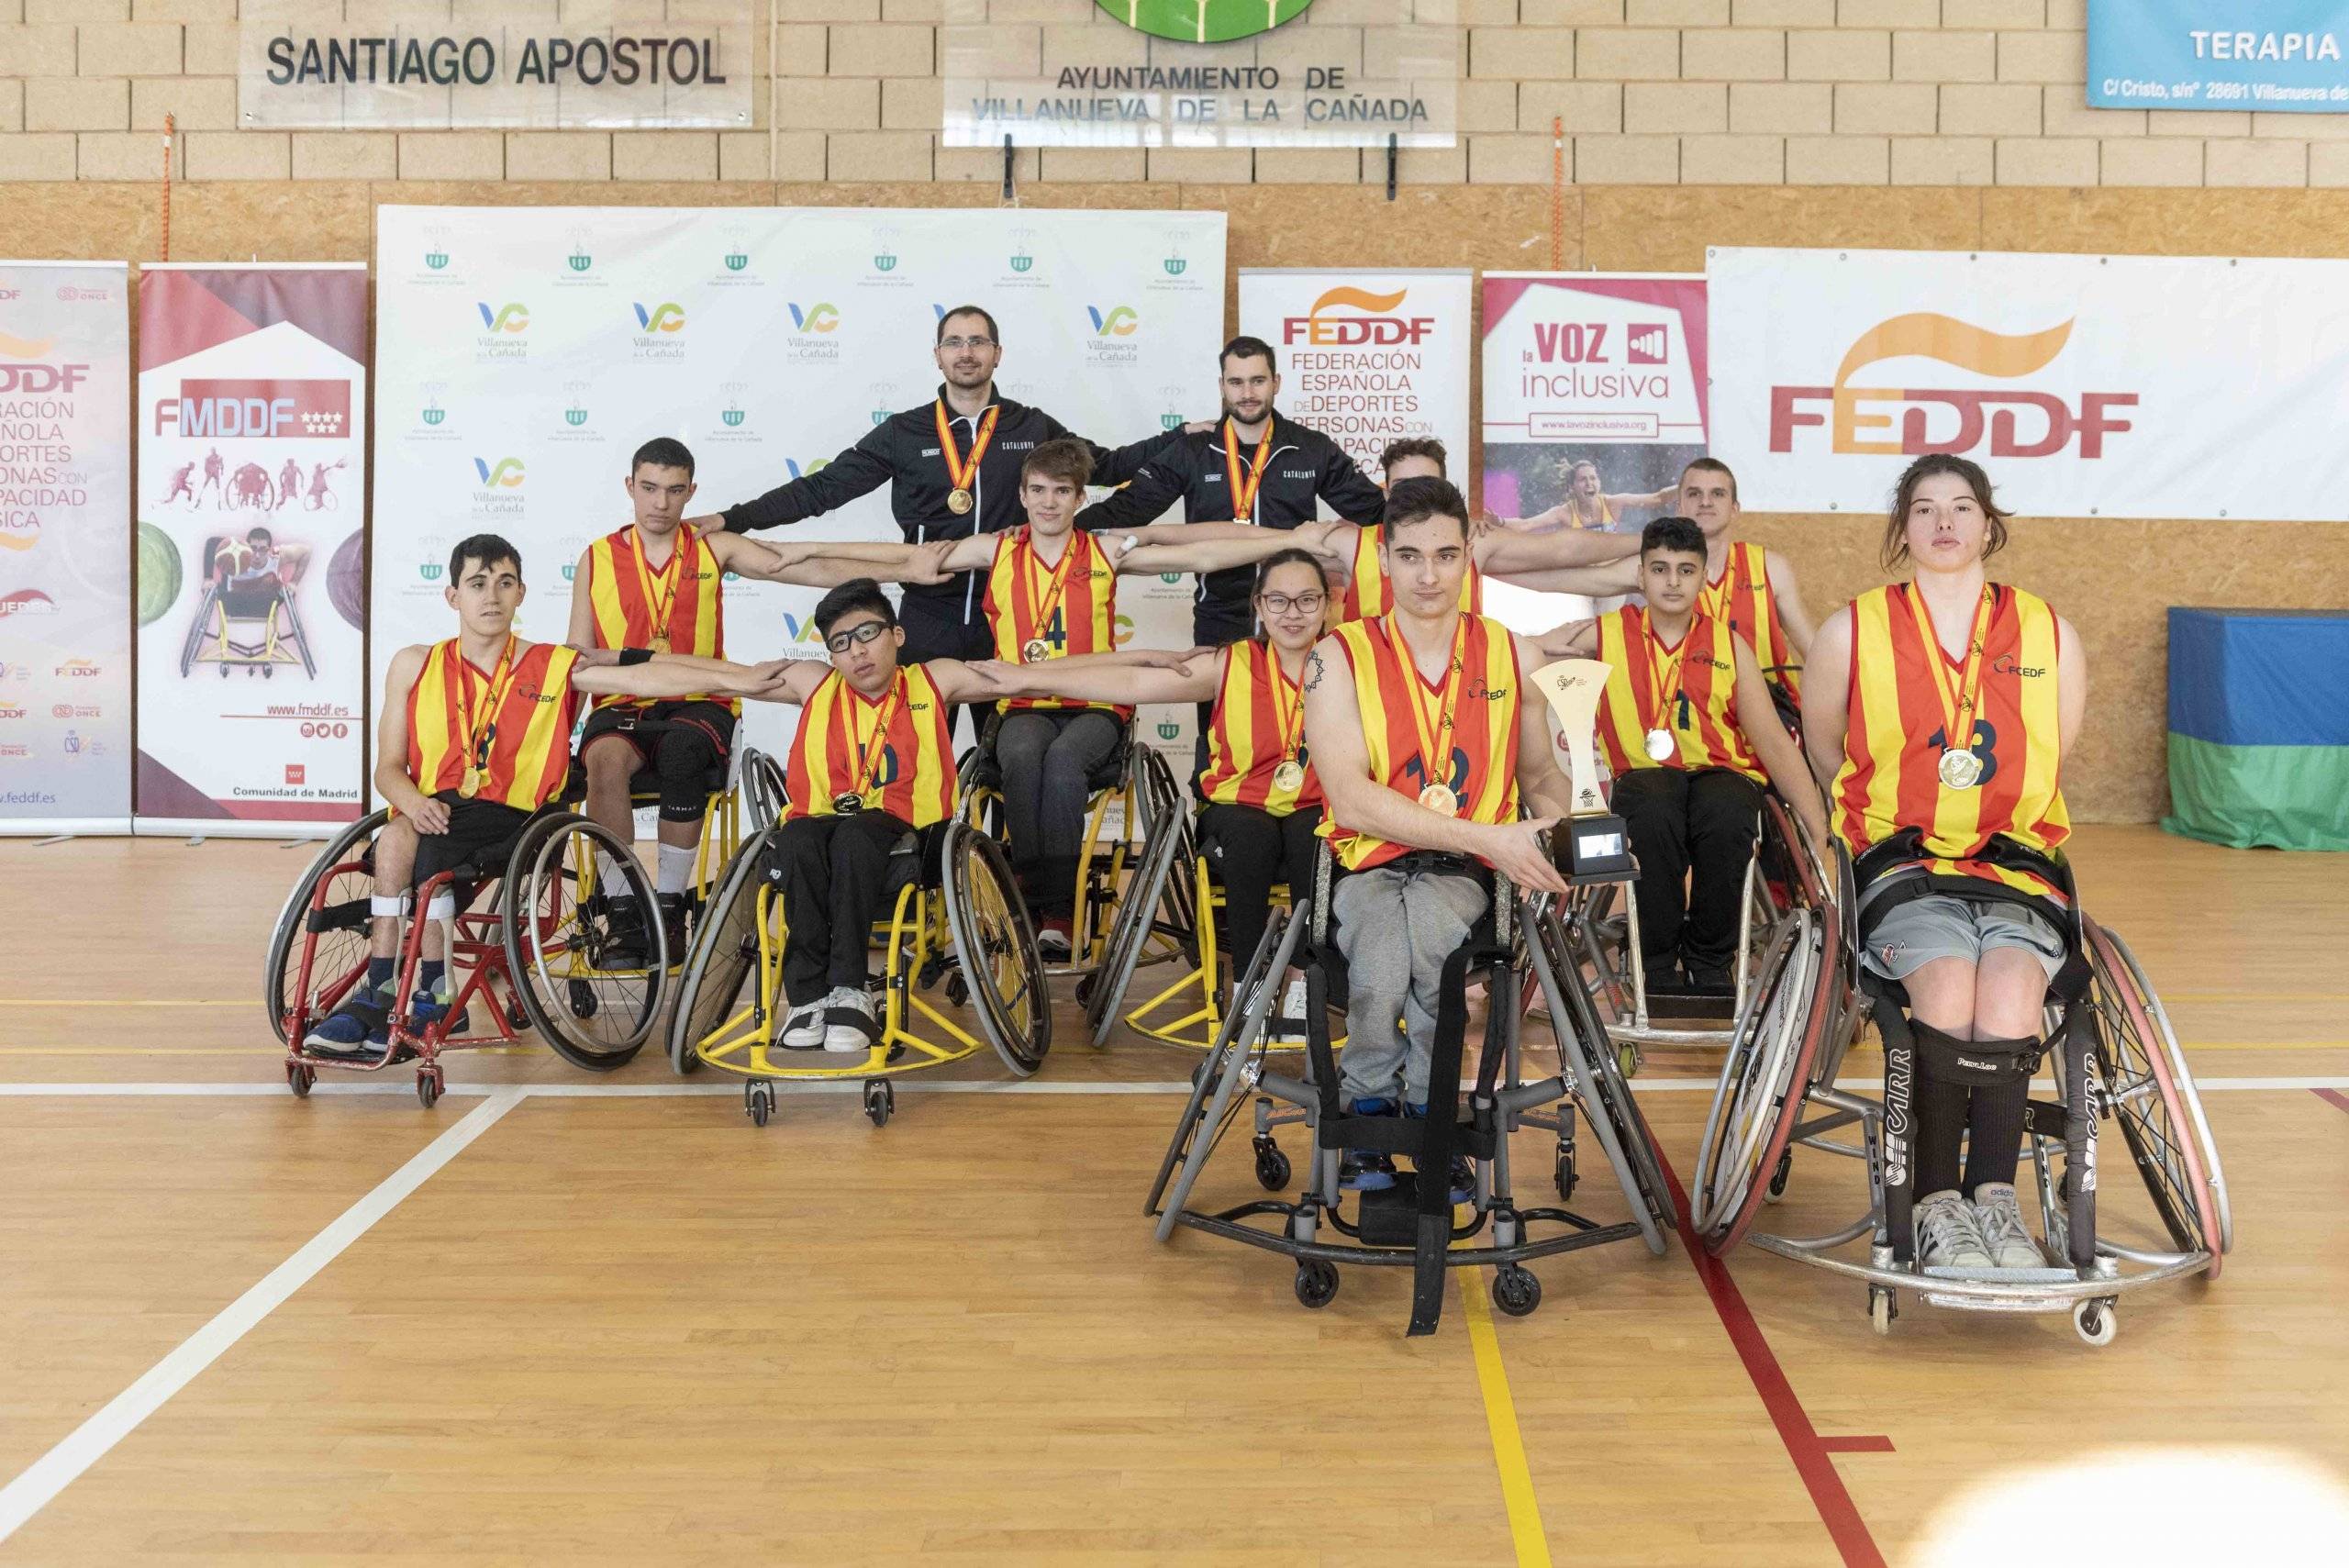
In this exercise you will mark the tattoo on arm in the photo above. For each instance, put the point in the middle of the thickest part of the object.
(1312, 672)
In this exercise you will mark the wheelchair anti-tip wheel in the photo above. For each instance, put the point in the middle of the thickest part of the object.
(558, 896)
(995, 949)
(341, 954)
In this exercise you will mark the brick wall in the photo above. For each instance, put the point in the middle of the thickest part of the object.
(1934, 93)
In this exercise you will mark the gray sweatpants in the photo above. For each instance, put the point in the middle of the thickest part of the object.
(1395, 927)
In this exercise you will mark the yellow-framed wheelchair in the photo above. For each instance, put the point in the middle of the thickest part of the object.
(955, 916)
(262, 609)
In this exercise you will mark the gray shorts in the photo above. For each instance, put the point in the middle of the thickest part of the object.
(1914, 934)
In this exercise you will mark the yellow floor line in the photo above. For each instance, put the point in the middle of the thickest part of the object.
(1500, 1415)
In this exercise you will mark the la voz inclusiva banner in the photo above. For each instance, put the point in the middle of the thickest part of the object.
(524, 355)
(65, 556)
(252, 386)
(2116, 387)
(1595, 386)
(2204, 55)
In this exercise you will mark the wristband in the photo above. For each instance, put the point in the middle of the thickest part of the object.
(1126, 546)
(635, 655)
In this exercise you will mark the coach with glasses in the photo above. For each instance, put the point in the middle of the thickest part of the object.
(953, 465)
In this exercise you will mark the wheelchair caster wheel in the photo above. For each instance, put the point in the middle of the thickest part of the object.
(299, 1076)
(583, 999)
(1271, 1166)
(1883, 1305)
(2097, 1321)
(1566, 1176)
(758, 1101)
(958, 991)
(427, 1087)
(1777, 1187)
(1317, 1283)
(880, 1100)
(1516, 1291)
(1084, 990)
(1627, 1059)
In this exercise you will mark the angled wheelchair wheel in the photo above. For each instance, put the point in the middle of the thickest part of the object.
(1168, 859)
(2159, 1112)
(764, 791)
(1609, 1091)
(558, 941)
(995, 947)
(1760, 1095)
(341, 955)
(725, 947)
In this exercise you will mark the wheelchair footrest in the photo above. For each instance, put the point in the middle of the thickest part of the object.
(2000, 1276)
(1686, 1002)
(1390, 1217)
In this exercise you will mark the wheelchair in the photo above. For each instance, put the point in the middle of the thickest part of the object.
(1412, 1225)
(2113, 1056)
(263, 610)
(955, 916)
(1102, 861)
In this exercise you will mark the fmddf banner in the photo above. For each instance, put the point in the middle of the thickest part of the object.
(252, 387)
(1595, 396)
(524, 355)
(1367, 357)
(2116, 387)
(64, 548)
(2219, 54)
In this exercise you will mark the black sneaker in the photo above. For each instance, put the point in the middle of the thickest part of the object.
(625, 941)
(1365, 1171)
(674, 908)
(1715, 978)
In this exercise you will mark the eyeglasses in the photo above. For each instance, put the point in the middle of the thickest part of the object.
(966, 342)
(1281, 603)
(863, 632)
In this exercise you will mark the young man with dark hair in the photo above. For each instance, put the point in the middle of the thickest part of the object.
(473, 736)
(1424, 745)
(1690, 738)
(654, 584)
(952, 466)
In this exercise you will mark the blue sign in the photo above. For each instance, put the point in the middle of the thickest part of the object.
(2219, 54)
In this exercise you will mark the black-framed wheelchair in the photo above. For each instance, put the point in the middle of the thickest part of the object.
(1413, 1225)
(250, 625)
(2113, 1056)
(955, 918)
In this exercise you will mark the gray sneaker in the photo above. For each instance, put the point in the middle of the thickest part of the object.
(1947, 1236)
(850, 1038)
(802, 1029)
(1999, 1217)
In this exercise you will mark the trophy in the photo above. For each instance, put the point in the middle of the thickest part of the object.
(1592, 845)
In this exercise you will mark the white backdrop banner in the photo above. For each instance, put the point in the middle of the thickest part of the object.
(523, 355)
(252, 389)
(65, 547)
(2117, 386)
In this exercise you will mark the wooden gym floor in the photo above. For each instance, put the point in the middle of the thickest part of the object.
(567, 1321)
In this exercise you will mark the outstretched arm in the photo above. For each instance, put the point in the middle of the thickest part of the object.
(855, 472)
(1183, 550)
(1567, 639)
(1104, 677)
(828, 563)
(1758, 716)
(675, 676)
(1155, 485)
(1591, 582)
(1506, 555)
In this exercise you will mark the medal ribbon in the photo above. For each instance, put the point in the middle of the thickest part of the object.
(1958, 707)
(481, 730)
(1447, 702)
(1243, 491)
(878, 741)
(1040, 620)
(1288, 717)
(1663, 676)
(672, 574)
(961, 471)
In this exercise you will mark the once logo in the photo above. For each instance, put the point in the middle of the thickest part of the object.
(506, 475)
(506, 318)
(2054, 423)
(1120, 322)
(1352, 317)
(817, 317)
(666, 317)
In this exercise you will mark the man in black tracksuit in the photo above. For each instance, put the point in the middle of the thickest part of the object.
(1299, 466)
(944, 619)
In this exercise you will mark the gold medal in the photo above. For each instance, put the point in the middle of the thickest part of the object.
(1440, 798)
(658, 590)
(1960, 767)
(962, 472)
(1664, 684)
(1289, 777)
(1435, 735)
(1036, 650)
(958, 501)
(472, 785)
(480, 725)
(1960, 770)
(1245, 482)
(660, 644)
(1661, 745)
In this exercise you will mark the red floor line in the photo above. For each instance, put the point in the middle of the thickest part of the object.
(2336, 1095)
(1808, 1451)
(1856, 1445)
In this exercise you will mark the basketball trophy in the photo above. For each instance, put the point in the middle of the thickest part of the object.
(1592, 845)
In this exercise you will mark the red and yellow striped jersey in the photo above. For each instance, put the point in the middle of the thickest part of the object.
(627, 596)
(528, 733)
(1364, 595)
(1482, 769)
(1699, 703)
(913, 777)
(1259, 716)
(1742, 598)
(1084, 620)
(1892, 747)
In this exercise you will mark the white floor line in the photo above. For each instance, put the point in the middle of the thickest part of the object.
(88, 1443)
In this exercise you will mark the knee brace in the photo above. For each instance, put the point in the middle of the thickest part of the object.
(388, 908)
(1946, 1058)
(442, 908)
(683, 759)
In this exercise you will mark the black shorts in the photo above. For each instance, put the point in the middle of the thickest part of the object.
(683, 742)
(480, 834)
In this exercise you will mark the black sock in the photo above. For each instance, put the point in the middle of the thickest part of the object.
(429, 973)
(1994, 1133)
(1939, 1118)
(381, 972)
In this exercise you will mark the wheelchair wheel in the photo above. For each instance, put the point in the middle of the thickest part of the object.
(724, 947)
(764, 791)
(1610, 1093)
(995, 946)
(558, 933)
(341, 952)
(2139, 1060)
(1760, 1095)
(1166, 858)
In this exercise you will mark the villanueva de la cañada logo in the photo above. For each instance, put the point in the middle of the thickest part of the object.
(2015, 423)
(1204, 21)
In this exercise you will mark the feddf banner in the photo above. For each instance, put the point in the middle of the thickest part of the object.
(2115, 386)
(1367, 357)
(1595, 399)
(2219, 54)
(64, 548)
(524, 354)
(252, 390)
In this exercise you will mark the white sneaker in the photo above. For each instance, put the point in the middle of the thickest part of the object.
(851, 1039)
(1999, 1217)
(1946, 1235)
(804, 1028)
